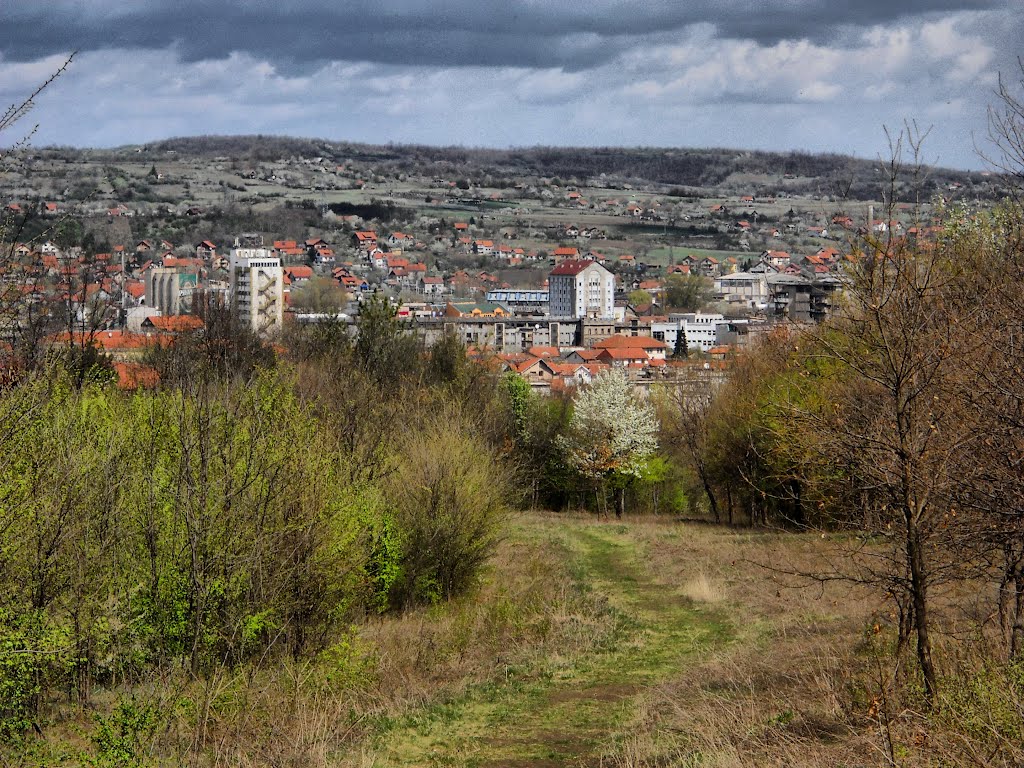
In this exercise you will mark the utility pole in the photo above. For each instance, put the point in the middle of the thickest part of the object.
(124, 294)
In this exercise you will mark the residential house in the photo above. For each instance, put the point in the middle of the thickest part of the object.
(560, 254)
(365, 240)
(172, 325)
(431, 286)
(642, 348)
(400, 240)
(778, 260)
(710, 267)
(323, 256)
(205, 250)
(298, 275)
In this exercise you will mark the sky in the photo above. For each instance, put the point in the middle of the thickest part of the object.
(806, 75)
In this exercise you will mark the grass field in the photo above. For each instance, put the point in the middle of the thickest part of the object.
(667, 646)
(589, 642)
(561, 710)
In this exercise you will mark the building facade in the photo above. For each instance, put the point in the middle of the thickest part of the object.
(521, 301)
(581, 289)
(170, 289)
(257, 289)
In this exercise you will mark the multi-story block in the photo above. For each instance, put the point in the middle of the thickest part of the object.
(170, 289)
(257, 288)
(580, 289)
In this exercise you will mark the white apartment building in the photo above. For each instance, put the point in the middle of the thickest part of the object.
(579, 288)
(257, 288)
(700, 329)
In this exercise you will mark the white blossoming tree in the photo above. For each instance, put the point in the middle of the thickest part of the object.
(612, 434)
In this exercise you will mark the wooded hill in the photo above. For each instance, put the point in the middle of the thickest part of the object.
(678, 170)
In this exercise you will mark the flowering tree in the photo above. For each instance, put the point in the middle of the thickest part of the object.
(612, 434)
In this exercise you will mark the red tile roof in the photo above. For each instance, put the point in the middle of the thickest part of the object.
(620, 341)
(571, 267)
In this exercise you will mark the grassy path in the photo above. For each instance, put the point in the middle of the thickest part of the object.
(568, 711)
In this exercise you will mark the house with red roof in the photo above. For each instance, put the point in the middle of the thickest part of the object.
(431, 286)
(172, 325)
(206, 250)
(400, 240)
(298, 274)
(365, 240)
(639, 347)
(560, 254)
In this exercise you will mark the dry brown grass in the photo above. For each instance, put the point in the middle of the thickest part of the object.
(779, 697)
(805, 680)
(702, 589)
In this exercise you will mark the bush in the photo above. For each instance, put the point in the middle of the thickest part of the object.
(449, 492)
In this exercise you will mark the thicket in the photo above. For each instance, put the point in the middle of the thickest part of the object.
(249, 510)
(897, 426)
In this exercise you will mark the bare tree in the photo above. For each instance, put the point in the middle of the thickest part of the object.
(685, 422)
(887, 411)
(1006, 129)
(20, 318)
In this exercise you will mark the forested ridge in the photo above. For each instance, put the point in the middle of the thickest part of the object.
(688, 170)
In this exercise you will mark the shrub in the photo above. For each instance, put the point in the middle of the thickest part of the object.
(449, 493)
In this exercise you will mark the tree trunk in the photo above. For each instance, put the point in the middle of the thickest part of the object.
(1017, 635)
(1006, 610)
(728, 502)
(919, 599)
(710, 493)
(798, 504)
(620, 502)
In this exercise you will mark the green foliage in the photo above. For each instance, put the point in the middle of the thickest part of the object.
(446, 362)
(122, 739)
(687, 293)
(87, 364)
(220, 526)
(385, 557)
(19, 678)
(384, 349)
(518, 396)
(986, 707)
(348, 663)
(638, 297)
(319, 294)
(449, 492)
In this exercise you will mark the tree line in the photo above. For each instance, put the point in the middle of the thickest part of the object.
(899, 425)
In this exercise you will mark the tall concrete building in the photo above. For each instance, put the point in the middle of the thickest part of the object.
(257, 288)
(579, 288)
(170, 289)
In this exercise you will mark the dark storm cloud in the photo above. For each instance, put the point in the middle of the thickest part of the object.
(573, 34)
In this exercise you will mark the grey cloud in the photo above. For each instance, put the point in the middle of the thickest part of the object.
(301, 34)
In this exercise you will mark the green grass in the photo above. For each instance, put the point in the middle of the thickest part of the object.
(561, 709)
